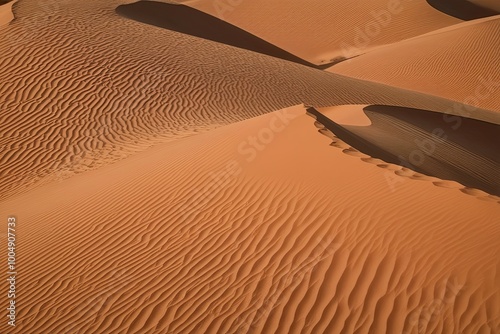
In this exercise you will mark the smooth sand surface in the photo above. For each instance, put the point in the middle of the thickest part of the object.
(234, 243)
(459, 63)
(329, 30)
(167, 180)
(351, 114)
(6, 12)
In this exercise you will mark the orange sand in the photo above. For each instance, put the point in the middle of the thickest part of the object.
(164, 182)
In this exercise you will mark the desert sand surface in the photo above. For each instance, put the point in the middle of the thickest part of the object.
(273, 167)
(451, 148)
(459, 62)
(75, 99)
(172, 16)
(329, 30)
(234, 244)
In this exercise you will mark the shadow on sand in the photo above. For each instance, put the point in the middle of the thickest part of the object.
(436, 144)
(190, 21)
(462, 9)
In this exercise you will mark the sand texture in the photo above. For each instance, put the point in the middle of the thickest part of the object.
(459, 63)
(254, 166)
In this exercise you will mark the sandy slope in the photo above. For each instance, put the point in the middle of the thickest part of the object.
(191, 21)
(460, 62)
(296, 237)
(77, 96)
(323, 30)
(448, 147)
(6, 12)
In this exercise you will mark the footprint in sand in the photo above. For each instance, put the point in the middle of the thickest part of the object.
(402, 171)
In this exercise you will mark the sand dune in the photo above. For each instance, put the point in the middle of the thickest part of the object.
(170, 180)
(234, 243)
(448, 147)
(75, 99)
(191, 21)
(459, 63)
(326, 31)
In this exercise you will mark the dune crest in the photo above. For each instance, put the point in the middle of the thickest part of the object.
(187, 20)
(347, 115)
(328, 31)
(448, 147)
(459, 63)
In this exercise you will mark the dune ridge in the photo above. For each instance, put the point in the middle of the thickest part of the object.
(193, 22)
(459, 63)
(449, 148)
(328, 31)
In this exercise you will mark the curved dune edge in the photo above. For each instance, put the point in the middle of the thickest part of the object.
(206, 235)
(188, 20)
(394, 141)
(351, 114)
(338, 31)
(457, 62)
(6, 14)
